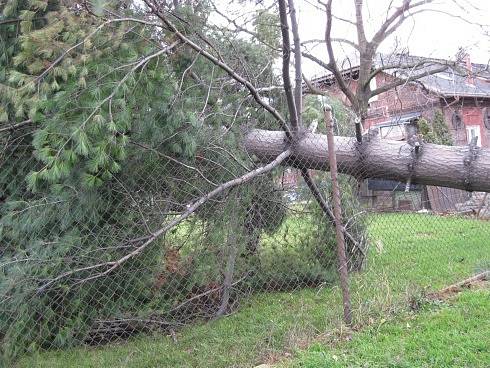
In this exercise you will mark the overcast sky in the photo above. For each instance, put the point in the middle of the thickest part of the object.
(429, 34)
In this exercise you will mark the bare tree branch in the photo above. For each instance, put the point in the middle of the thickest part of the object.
(311, 89)
(332, 65)
(286, 54)
(298, 88)
(11, 127)
(361, 34)
(317, 194)
(414, 65)
(232, 73)
(395, 20)
(334, 39)
(401, 80)
(316, 60)
(240, 28)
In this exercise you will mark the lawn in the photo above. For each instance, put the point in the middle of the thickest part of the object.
(410, 255)
(455, 333)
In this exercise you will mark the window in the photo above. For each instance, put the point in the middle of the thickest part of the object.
(372, 87)
(486, 117)
(393, 132)
(473, 131)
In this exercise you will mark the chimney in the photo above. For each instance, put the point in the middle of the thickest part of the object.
(469, 69)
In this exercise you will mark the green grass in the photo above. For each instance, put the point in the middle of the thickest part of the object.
(411, 253)
(456, 334)
(415, 253)
(259, 329)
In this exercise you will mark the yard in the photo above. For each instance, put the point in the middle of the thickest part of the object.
(395, 325)
(454, 333)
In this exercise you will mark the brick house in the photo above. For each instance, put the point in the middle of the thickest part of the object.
(462, 94)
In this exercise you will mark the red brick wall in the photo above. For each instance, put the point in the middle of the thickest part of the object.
(471, 115)
(412, 97)
(405, 98)
(337, 93)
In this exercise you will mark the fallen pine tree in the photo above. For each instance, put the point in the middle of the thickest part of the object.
(461, 167)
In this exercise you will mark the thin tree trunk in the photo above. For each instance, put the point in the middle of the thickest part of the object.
(232, 245)
(337, 212)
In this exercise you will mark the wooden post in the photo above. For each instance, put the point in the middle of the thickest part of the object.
(232, 246)
(482, 204)
(337, 211)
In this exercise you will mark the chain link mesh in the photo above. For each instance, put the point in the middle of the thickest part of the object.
(166, 244)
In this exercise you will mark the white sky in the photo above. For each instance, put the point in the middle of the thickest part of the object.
(428, 34)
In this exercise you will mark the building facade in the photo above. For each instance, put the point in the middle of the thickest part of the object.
(461, 95)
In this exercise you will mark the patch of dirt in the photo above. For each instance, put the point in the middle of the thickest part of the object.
(481, 281)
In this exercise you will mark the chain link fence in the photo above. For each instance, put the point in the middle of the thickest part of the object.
(171, 241)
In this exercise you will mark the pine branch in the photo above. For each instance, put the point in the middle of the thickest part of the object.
(60, 58)
(191, 208)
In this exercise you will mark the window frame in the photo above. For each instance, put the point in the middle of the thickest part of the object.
(477, 129)
(373, 85)
(486, 117)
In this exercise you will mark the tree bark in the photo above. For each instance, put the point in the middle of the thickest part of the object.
(339, 226)
(461, 167)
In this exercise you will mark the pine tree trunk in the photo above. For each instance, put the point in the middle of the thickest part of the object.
(461, 167)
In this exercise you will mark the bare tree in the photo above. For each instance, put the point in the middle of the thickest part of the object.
(367, 50)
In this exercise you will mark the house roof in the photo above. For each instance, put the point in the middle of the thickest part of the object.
(456, 80)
